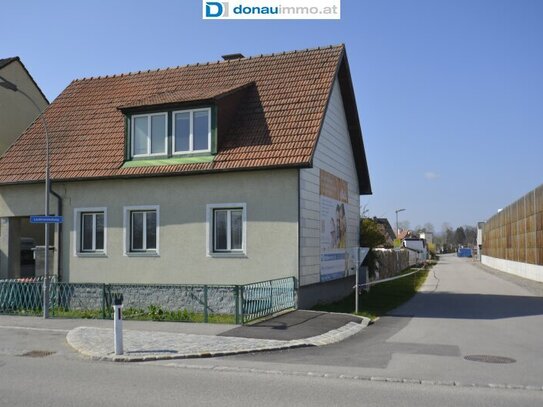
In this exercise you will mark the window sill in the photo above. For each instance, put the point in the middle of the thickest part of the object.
(151, 162)
(142, 254)
(90, 254)
(228, 255)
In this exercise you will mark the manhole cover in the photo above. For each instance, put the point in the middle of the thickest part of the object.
(489, 359)
(37, 353)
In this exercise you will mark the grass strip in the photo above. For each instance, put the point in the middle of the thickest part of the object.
(134, 314)
(381, 298)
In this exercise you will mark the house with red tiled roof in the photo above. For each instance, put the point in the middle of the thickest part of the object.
(405, 234)
(229, 172)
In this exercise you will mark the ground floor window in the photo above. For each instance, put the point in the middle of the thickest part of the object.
(141, 230)
(90, 231)
(226, 229)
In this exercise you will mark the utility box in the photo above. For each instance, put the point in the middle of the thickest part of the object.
(465, 252)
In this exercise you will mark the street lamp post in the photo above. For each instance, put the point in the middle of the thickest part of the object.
(397, 227)
(13, 87)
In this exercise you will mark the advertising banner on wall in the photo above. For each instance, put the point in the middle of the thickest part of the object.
(333, 208)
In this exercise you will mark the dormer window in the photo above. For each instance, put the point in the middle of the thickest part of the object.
(173, 134)
(192, 131)
(149, 135)
(180, 126)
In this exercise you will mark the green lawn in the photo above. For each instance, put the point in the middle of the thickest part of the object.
(381, 298)
(153, 313)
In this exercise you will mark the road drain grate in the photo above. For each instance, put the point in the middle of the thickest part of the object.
(489, 359)
(37, 353)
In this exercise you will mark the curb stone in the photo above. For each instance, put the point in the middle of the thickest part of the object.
(97, 343)
(420, 382)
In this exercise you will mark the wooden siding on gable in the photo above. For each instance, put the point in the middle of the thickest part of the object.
(333, 154)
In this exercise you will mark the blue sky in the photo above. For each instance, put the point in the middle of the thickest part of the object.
(449, 93)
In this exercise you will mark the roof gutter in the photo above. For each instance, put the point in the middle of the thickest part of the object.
(164, 174)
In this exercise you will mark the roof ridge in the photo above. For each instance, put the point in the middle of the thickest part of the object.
(6, 61)
(252, 57)
(274, 123)
(10, 58)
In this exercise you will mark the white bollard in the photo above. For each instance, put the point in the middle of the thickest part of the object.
(118, 323)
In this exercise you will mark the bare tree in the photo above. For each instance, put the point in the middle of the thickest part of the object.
(429, 228)
(471, 235)
(460, 236)
(444, 227)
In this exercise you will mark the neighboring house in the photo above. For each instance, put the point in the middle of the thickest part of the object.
(230, 172)
(404, 234)
(387, 229)
(428, 236)
(16, 111)
(418, 252)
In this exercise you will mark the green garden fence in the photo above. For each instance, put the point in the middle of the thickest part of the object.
(265, 298)
(174, 302)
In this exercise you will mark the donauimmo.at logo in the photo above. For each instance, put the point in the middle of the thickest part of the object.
(282, 9)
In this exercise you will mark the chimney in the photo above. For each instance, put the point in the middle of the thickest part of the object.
(230, 57)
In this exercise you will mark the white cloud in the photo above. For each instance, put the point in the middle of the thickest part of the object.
(430, 175)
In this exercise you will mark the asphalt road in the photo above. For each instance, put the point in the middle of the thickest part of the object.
(57, 380)
(463, 310)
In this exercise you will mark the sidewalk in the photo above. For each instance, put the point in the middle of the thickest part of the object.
(146, 340)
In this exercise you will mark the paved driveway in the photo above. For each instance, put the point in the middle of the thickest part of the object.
(461, 311)
(298, 324)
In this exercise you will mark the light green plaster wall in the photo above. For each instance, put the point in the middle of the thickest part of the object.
(272, 226)
(23, 200)
(17, 203)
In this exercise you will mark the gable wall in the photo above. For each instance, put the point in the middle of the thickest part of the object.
(334, 155)
(16, 111)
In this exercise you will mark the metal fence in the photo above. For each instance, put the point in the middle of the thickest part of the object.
(195, 303)
(267, 297)
(516, 232)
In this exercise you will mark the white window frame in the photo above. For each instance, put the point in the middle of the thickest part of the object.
(78, 249)
(210, 230)
(191, 135)
(149, 136)
(127, 230)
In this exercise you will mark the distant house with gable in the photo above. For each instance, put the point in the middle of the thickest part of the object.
(387, 229)
(418, 249)
(16, 112)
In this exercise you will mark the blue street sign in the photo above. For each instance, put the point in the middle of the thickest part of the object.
(46, 219)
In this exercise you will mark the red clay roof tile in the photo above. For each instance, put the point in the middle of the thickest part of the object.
(276, 124)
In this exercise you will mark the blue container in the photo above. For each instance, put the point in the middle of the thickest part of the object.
(464, 252)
